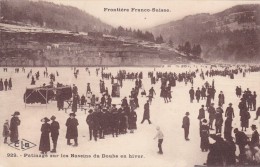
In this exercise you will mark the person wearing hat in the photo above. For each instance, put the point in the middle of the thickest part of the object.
(14, 123)
(241, 141)
(72, 129)
(212, 113)
(54, 127)
(146, 115)
(219, 119)
(6, 131)
(44, 146)
(254, 142)
(88, 88)
(204, 135)
(201, 113)
(221, 99)
(160, 136)
(186, 125)
(90, 123)
(197, 94)
(75, 101)
(192, 93)
(230, 112)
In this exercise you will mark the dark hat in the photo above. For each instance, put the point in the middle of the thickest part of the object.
(53, 117)
(202, 105)
(113, 105)
(72, 114)
(230, 104)
(253, 126)
(235, 130)
(46, 119)
(204, 121)
(16, 113)
(90, 111)
(187, 113)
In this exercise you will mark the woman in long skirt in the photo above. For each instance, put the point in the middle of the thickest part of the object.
(45, 138)
(204, 136)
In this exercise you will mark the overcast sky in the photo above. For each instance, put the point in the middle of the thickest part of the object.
(178, 9)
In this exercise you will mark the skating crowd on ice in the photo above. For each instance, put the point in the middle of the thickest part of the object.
(107, 118)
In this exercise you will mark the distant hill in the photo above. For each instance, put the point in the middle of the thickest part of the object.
(49, 15)
(230, 35)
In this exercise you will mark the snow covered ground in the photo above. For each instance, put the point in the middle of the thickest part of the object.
(177, 151)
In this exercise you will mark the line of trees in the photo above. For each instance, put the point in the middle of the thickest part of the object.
(194, 50)
(147, 36)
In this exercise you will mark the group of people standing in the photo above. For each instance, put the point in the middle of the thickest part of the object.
(6, 84)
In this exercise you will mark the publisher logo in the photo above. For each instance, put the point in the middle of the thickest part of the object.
(22, 145)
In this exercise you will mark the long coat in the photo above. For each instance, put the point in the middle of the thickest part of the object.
(221, 99)
(228, 128)
(245, 119)
(45, 138)
(204, 136)
(255, 139)
(146, 111)
(72, 130)
(15, 122)
(6, 130)
(75, 101)
(132, 120)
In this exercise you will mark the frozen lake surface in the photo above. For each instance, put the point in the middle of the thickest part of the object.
(177, 151)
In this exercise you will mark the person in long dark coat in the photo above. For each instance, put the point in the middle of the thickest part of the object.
(146, 115)
(1, 85)
(44, 146)
(72, 129)
(54, 128)
(245, 120)
(228, 128)
(197, 94)
(6, 84)
(230, 112)
(10, 84)
(221, 99)
(208, 101)
(90, 122)
(6, 131)
(191, 92)
(132, 121)
(241, 141)
(186, 125)
(75, 101)
(204, 136)
(217, 153)
(230, 152)
(255, 137)
(212, 112)
(14, 123)
(203, 92)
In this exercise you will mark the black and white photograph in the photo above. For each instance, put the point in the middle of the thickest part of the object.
(122, 83)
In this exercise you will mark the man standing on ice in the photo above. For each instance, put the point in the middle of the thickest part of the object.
(72, 129)
(191, 92)
(160, 136)
(146, 113)
(186, 125)
(54, 128)
(212, 112)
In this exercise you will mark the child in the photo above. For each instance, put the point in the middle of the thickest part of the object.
(6, 132)
(159, 135)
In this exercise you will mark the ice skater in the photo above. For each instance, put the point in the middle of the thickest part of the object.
(186, 125)
(160, 136)
(54, 132)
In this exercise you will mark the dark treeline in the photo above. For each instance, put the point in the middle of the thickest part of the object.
(49, 15)
(147, 36)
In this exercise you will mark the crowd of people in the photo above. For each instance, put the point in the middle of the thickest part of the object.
(106, 118)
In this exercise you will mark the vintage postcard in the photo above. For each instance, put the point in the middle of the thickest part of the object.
(122, 83)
